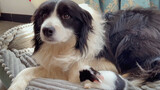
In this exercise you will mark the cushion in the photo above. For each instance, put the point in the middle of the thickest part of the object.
(15, 52)
(22, 38)
(53, 84)
(16, 56)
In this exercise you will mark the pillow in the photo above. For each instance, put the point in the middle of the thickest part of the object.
(12, 60)
(22, 37)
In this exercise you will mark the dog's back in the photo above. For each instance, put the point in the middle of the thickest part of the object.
(134, 37)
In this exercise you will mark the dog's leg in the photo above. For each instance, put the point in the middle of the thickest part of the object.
(22, 79)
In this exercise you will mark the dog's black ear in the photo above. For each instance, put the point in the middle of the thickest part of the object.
(38, 17)
(37, 21)
(82, 36)
(87, 18)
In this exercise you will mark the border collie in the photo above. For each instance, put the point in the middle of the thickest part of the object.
(70, 38)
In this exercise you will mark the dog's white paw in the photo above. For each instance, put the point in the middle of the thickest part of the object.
(17, 86)
(88, 85)
(19, 83)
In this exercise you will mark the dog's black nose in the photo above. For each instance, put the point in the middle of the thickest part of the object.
(48, 31)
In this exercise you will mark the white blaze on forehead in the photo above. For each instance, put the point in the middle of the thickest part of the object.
(62, 34)
(55, 10)
(53, 18)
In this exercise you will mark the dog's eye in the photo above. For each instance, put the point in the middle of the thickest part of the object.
(66, 16)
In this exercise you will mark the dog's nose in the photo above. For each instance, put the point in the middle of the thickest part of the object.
(48, 31)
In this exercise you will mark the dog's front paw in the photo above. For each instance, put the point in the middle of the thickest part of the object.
(18, 85)
(87, 86)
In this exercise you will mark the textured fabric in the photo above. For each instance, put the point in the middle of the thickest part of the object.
(113, 5)
(13, 61)
(53, 84)
(23, 37)
(17, 37)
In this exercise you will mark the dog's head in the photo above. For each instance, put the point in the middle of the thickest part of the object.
(56, 21)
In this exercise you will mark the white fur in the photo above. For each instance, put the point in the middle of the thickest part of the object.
(63, 53)
(60, 60)
(109, 80)
(96, 39)
(108, 83)
(61, 34)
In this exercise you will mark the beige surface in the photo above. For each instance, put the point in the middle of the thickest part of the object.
(36, 3)
(17, 7)
(5, 25)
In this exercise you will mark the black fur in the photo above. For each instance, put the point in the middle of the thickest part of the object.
(87, 75)
(134, 38)
(38, 18)
(120, 83)
(80, 22)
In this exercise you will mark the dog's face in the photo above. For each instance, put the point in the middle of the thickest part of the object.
(56, 21)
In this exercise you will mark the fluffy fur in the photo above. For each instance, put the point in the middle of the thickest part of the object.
(71, 37)
(102, 79)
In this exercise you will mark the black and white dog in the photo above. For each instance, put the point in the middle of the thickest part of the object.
(70, 38)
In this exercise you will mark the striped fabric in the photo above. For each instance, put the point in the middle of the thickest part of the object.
(15, 52)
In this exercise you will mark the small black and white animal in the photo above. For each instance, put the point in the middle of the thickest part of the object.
(104, 80)
(71, 37)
